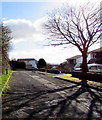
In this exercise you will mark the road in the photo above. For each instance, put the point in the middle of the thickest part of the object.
(36, 95)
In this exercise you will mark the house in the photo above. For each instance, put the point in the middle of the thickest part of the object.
(73, 61)
(64, 67)
(30, 63)
(94, 56)
(70, 63)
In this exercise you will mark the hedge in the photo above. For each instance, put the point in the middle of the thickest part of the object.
(89, 76)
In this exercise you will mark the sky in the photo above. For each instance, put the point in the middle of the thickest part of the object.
(25, 19)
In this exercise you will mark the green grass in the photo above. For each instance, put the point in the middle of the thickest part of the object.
(3, 79)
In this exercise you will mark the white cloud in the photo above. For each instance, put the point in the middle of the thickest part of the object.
(20, 28)
(23, 29)
(50, 54)
(39, 23)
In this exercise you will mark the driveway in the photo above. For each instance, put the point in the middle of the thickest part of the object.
(34, 95)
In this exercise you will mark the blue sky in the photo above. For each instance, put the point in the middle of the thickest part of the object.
(23, 10)
(25, 20)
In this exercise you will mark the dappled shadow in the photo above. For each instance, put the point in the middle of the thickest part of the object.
(75, 101)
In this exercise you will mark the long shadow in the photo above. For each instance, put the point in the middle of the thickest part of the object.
(20, 96)
(59, 108)
(95, 98)
(30, 96)
(68, 101)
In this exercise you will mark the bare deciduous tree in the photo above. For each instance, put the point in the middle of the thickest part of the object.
(4, 45)
(79, 27)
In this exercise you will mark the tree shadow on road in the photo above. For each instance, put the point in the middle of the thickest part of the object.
(79, 102)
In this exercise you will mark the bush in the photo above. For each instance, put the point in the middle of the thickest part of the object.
(17, 65)
(41, 63)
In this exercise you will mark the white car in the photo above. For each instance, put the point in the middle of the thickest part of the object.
(95, 68)
(77, 69)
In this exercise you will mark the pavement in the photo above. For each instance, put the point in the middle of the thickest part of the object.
(68, 77)
(37, 95)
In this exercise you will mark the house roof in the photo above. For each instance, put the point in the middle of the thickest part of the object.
(98, 61)
(77, 56)
(96, 50)
(26, 59)
(74, 57)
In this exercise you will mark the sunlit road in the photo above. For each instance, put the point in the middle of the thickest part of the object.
(34, 95)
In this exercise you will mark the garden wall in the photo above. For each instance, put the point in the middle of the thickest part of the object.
(89, 76)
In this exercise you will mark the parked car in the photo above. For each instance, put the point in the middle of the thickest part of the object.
(97, 68)
(77, 67)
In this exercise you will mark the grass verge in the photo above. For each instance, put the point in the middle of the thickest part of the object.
(4, 81)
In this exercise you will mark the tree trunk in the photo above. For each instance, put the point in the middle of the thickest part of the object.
(84, 67)
(84, 62)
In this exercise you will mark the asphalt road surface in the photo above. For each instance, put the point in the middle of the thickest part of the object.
(35, 95)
